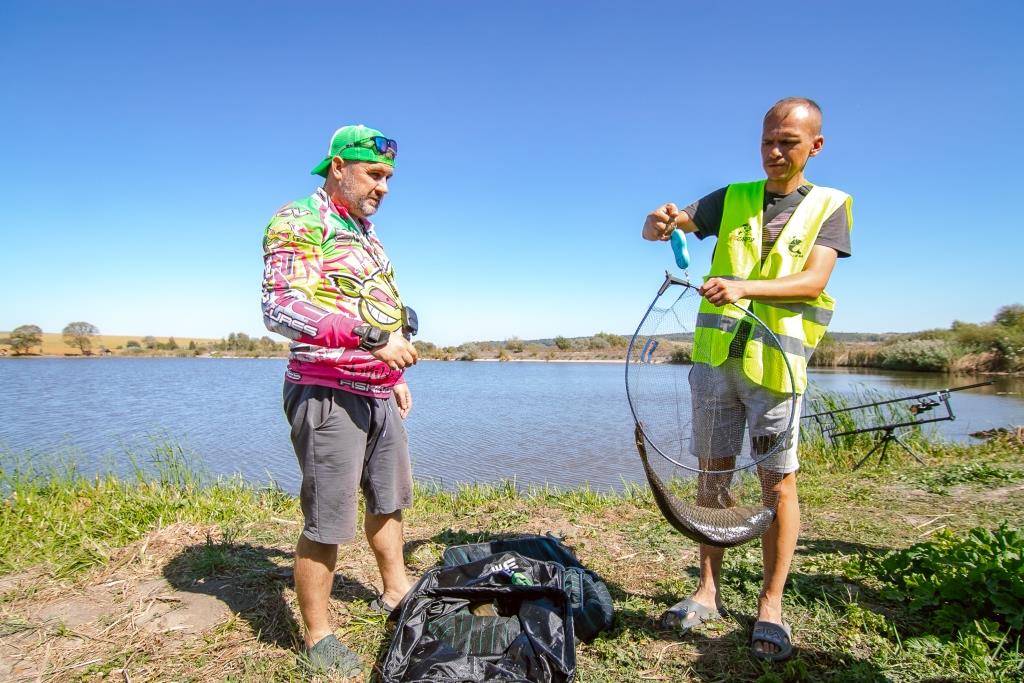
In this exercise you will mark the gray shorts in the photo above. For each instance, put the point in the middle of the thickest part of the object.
(345, 442)
(725, 402)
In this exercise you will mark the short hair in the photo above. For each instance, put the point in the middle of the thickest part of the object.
(787, 103)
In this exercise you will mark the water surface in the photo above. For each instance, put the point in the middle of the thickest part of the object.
(566, 424)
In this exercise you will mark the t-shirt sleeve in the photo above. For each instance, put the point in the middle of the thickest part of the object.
(706, 213)
(835, 233)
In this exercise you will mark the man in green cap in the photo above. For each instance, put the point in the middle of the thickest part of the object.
(330, 288)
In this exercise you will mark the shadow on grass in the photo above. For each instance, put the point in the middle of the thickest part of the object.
(721, 650)
(729, 657)
(251, 581)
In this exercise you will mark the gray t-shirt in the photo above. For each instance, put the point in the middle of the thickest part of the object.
(706, 213)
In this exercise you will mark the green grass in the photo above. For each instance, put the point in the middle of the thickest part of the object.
(54, 514)
(977, 474)
(852, 620)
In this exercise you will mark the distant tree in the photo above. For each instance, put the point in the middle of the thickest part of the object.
(562, 343)
(425, 349)
(23, 338)
(469, 351)
(613, 340)
(681, 354)
(149, 342)
(514, 344)
(192, 345)
(132, 344)
(171, 344)
(1010, 316)
(79, 335)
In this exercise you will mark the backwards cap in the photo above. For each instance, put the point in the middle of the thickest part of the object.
(347, 135)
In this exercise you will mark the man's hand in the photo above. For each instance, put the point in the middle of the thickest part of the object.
(661, 222)
(403, 397)
(721, 292)
(398, 353)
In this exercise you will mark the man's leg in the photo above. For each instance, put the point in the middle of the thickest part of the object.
(384, 533)
(329, 440)
(314, 577)
(713, 492)
(387, 486)
(777, 547)
(710, 576)
(717, 427)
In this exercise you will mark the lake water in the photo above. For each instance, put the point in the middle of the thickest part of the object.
(565, 424)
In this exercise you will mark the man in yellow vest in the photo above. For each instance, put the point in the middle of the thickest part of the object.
(778, 241)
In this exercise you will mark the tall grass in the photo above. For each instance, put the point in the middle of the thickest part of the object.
(54, 514)
(844, 416)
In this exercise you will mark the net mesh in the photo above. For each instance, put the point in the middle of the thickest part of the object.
(713, 444)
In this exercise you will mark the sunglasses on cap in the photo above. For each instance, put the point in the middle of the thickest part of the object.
(382, 145)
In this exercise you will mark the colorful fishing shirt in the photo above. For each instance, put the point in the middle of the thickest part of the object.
(325, 273)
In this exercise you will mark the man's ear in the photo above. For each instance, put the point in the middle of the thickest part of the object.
(816, 144)
(337, 163)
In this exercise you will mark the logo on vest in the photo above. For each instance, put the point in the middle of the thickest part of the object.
(794, 247)
(744, 233)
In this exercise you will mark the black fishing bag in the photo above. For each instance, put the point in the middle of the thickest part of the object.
(592, 609)
(501, 618)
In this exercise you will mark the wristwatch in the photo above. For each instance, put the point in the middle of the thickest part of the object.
(370, 337)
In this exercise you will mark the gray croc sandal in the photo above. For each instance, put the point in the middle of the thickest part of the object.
(380, 606)
(779, 635)
(329, 654)
(676, 616)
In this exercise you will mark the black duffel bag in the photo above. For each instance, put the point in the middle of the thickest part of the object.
(502, 618)
(591, 602)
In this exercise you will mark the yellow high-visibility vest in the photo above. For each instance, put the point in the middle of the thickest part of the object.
(798, 326)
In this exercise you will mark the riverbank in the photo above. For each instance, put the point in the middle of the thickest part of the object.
(54, 345)
(163, 578)
(995, 348)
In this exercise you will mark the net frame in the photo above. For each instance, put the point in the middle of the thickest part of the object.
(722, 524)
(671, 280)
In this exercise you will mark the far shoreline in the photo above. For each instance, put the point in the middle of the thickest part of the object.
(603, 361)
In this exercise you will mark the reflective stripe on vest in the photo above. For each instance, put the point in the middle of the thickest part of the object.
(797, 326)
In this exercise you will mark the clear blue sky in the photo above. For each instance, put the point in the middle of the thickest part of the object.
(146, 144)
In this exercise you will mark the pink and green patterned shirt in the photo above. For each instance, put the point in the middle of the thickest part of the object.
(325, 272)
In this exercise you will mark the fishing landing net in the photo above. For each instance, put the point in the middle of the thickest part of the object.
(712, 473)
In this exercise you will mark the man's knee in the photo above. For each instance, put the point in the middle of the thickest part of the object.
(308, 549)
(380, 519)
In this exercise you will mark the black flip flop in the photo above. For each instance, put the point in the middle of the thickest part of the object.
(379, 606)
(779, 635)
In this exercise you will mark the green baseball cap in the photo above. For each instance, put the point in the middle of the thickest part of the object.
(345, 143)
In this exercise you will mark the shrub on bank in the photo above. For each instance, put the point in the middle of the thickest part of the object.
(930, 355)
(957, 581)
(681, 354)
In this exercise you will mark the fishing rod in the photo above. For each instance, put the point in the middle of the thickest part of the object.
(922, 403)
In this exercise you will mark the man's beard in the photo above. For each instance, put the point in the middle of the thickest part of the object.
(369, 206)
